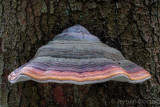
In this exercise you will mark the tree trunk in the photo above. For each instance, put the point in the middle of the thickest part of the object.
(131, 26)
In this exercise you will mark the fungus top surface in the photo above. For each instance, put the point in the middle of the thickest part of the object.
(75, 56)
(78, 33)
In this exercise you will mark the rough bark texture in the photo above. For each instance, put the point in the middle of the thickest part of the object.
(132, 26)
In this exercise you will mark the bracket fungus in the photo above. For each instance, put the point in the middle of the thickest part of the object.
(75, 56)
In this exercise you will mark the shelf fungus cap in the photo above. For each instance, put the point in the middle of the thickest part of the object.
(75, 56)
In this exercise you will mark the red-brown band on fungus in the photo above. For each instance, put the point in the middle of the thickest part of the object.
(77, 57)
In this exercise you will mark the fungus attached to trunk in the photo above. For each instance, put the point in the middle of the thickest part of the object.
(77, 57)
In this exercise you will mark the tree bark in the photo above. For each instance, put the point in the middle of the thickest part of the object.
(131, 26)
